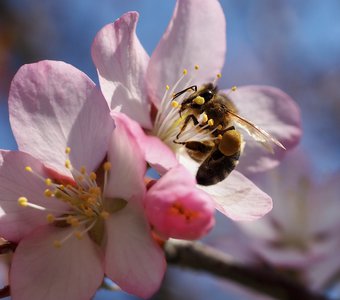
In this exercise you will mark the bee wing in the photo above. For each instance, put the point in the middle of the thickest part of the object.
(256, 132)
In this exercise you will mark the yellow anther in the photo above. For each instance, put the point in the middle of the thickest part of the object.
(23, 201)
(28, 169)
(48, 193)
(73, 221)
(167, 87)
(185, 71)
(58, 194)
(68, 150)
(78, 235)
(219, 127)
(50, 218)
(95, 190)
(61, 187)
(67, 163)
(205, 118)
(93, 176)
(57, 244)
(83, 170)
(104, 214)
(211, 122)
(219, 75)
(233, 88)
(80, 178)
(89, 212)
(107, 166)
(91, 201)
(174, 104)
(219, 137)
(199, 100)
(197, 67)
(48, 181)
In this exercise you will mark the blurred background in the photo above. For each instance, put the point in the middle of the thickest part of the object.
(293, 45)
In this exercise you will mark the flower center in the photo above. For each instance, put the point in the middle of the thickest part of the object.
(83, 195)
(176, 126)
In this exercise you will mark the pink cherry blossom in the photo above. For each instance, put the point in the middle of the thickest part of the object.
(77, 218)
(301, 233)
(192, 52)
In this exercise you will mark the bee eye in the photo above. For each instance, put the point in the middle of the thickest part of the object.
(207, 95)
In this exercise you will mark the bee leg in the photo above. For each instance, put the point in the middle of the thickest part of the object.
(186, 121)
(193, 87)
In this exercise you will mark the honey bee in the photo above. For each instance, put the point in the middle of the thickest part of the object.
(219, 155)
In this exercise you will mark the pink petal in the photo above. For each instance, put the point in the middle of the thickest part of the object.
(156, 153)
(121, 63)
(196, 35)
(17, 221)
(274, 111)
(133, 259)
(238, 198)
(126, 178)
(177, 209)
(41, 271)
(53, 105)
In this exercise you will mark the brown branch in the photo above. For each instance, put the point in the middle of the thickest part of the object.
(200, 257)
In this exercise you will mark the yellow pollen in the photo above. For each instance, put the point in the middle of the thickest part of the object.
(234, 88)
(219, 75)
(68, 164)
(28, 169)
(88, 212)
(219, 127)
(80, 178)
(57, 244)
(205, 118)
(23, 201)
(73, 221)
(185, 71)
(219, 137)
(50, 218)
(167, 87)
(48, 193)
(83, 170)
(68, 150)
(174, 104)
(104, 214)
(199, 100)
(78, 235)
(61, 187)
(93, 176)
(211, 122)
(197, 67)
(58, 194)
(91, 201)
(107, 166)
(95, 190)
(48, 181)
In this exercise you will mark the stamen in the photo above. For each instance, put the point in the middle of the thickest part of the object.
(167, 87)
(211, 122)
(48, 193)
(185, 71)
(174, 104)
(234, 88)
(197, 67)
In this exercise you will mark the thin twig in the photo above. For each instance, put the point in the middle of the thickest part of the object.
(200, 257)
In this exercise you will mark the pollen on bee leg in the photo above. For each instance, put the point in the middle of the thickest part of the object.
(199, 100)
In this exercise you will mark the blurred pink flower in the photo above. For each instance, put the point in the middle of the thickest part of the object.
(135, 84)
(68, 216)
(301, 234)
